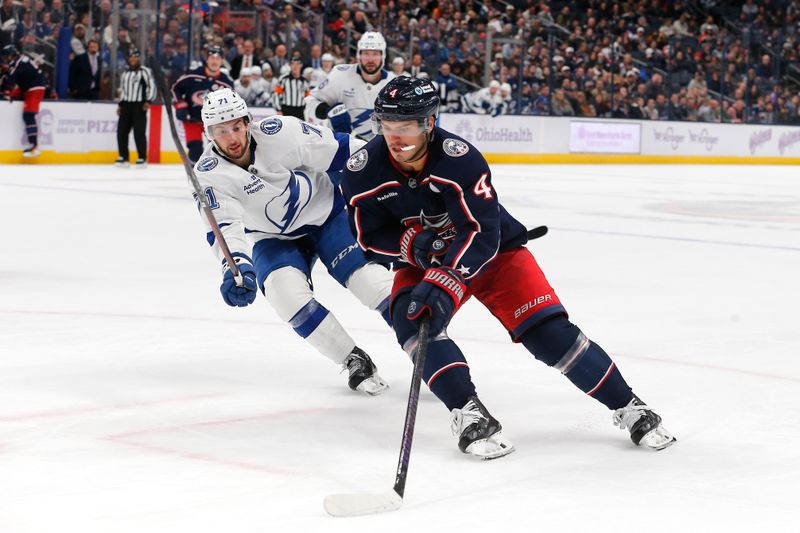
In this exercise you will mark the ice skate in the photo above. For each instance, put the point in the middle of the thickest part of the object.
(479, 433)
(31, 151)
(644, 424)
(363, 374)
(121, 162)
(140, 163)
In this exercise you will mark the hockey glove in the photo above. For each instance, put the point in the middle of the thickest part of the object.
(234, 295)
(181, 111)
(421, 248)
(340, 119)
(439, 294)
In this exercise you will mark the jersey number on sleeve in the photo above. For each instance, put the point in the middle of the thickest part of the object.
(212, 199)
(482, 188)
(308, 128)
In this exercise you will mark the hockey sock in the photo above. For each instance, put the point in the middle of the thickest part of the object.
(383, 309)
(446, 373)
(30, 127)
(561, 344)
(195, 150)
(320, 328)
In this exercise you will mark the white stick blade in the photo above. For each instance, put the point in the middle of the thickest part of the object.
(362, 504)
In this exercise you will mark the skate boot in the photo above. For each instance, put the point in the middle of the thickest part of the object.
(121, 162)
(363, 374)
(140, 163)
(644, 424)
(479, 433)
(31, 151)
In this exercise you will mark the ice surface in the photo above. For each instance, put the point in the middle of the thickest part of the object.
(133, 399)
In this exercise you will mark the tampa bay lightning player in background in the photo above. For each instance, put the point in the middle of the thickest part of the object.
(423, 199)
(347, 96)
(268, 186)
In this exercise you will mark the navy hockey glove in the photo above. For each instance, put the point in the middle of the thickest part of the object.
(421, 248)
(239, 296)
(340, 119)
(439, 294)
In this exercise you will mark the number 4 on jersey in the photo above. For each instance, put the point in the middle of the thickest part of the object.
(482, 188)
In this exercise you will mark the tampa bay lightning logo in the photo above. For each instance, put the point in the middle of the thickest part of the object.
(271, 126)
(209, 163)
(284, 210)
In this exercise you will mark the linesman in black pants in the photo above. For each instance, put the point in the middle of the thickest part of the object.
(138, 89)
(291, 91)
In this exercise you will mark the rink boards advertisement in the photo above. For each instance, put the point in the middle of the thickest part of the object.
(86, 132)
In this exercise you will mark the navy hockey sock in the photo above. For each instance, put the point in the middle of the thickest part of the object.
(446, 371)
(383, 309)
(31, 129)
(195, 150)
(561, 344)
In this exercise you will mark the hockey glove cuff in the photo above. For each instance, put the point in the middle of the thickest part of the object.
(340, 119)
(422, 248)
(439, 294)
(234, 295)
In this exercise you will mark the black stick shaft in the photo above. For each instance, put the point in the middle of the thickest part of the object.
(411, 409)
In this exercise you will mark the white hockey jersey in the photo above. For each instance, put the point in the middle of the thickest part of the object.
(344, 85)
(481, 102)
(286, 189)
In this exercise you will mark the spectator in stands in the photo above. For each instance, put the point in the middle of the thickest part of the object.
(78, 38)
(399, 66)
(244, 60)
(561, 107)
(9, 17)
(84, 73)
(280, 59)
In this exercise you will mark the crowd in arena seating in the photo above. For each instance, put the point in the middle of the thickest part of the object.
(702, 60)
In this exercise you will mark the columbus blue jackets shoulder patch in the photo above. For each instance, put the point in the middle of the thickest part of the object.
(455, 147)
(357, 161)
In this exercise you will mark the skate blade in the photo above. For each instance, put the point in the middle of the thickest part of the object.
(373, 385)
(494, 447)
(658, 439)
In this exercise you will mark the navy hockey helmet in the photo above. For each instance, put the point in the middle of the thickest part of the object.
(406, 98)
(213, 50)
(9, 50)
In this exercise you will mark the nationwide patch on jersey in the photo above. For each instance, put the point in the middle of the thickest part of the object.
(454, 147)
(209, 163)
(357, 161)
(271, 126)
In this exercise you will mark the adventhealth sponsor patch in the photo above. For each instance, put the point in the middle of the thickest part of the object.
(271, 126)
(357, 161)
(455, 148)
(207, 164)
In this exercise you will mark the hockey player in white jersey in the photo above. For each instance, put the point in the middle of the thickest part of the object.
(347, 96)
(486, 101)
(279, 210)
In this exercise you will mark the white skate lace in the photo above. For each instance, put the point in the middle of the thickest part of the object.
(627, 416)
(461, 418)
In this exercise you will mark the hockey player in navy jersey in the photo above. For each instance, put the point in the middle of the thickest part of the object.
(347, 96)
(188, 92)
(279, 211)
(422, 198)
(27, 81)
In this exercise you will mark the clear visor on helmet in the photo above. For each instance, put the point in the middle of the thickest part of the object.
(227, 129)
(400, 126)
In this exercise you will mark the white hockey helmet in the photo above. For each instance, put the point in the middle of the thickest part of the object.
(221, 106)
(372, 40)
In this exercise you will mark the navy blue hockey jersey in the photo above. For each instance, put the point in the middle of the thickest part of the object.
(453, 195)
(24, 75)
(189, 90)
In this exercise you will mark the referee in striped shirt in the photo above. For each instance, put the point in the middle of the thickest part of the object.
(291, 91)
(138, 90)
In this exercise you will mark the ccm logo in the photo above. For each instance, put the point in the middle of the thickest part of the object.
(530, 305)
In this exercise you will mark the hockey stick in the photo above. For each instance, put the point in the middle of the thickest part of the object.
(166, 95)
(361, 504)
(535, 233)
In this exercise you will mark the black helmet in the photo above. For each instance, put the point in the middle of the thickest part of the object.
(9, 50)
(406, 98)
(212, 50)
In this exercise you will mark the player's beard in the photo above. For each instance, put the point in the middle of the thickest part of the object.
(371, 71)
(242, 150)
